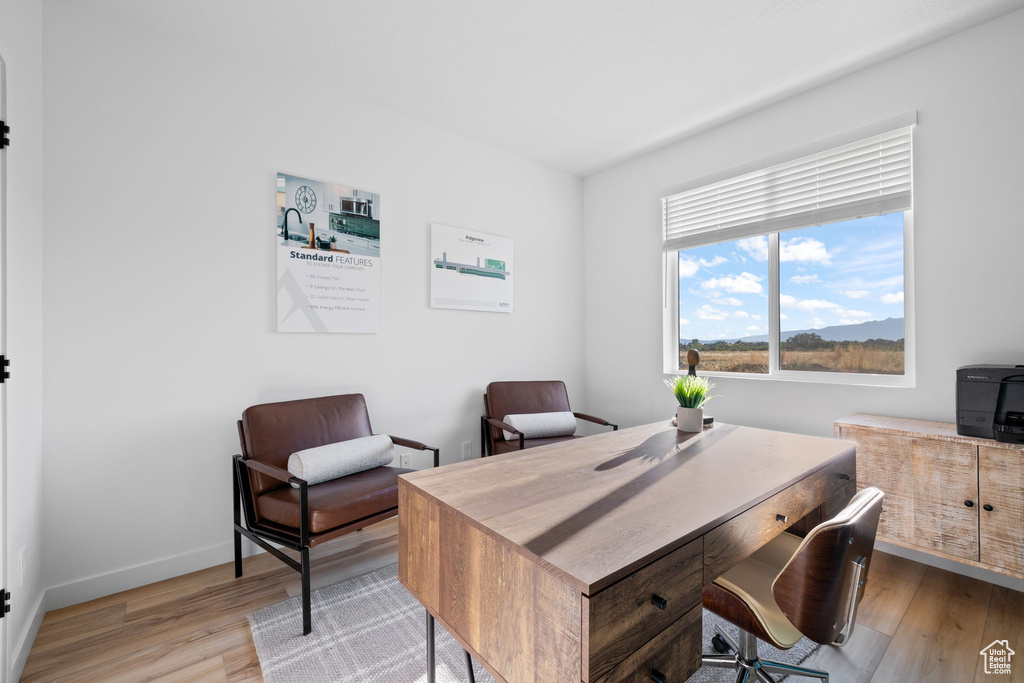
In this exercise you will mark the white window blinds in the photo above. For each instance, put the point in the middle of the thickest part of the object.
(864, 178)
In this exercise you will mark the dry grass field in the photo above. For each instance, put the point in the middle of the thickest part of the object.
(852, 357)
(729, 361)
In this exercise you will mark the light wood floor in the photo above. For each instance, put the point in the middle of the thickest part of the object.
(916, 623)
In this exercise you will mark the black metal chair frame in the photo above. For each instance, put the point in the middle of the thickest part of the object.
(487, 448)
(260, 534)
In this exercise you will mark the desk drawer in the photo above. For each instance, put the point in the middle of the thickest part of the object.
(729, 543)
(674, 654)
(619, 620)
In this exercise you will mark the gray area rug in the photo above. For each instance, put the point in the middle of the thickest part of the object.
(371, 629)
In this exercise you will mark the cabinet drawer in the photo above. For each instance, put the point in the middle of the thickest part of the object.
(619, 620)
(674, 653)
(840, 485)
(728, 544)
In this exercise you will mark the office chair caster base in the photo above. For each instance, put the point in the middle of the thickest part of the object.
(720, 645)
(749, 667)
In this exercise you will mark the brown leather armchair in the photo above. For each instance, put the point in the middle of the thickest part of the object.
(519, 398)
(301, 518)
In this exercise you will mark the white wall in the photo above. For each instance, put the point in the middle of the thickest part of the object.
(21, 49)
(160, 287)
(967, 223)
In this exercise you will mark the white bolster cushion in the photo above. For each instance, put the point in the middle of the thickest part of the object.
(541, 425)
(335, 460)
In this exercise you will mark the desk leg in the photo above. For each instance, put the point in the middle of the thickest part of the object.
(469, 667)
(430, 648)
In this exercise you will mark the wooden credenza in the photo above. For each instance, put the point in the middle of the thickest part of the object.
(953, 496)
(586, 560)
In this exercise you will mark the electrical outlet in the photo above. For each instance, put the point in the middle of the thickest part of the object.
(403, 459)
(467, 450)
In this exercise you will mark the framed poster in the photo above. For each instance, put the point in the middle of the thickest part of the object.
(328, 257)
(470, 270)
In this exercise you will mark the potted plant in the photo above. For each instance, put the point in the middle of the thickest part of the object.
(692, 393)
(334, 242)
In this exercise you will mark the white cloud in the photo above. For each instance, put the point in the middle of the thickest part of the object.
(783, 316)
(730, 301)
(892, 298)
(817, 323)
(804, 250)
(684, 321)
(847, 321)
(756, 317)
(744, 283)
(753, 328)
(890, 282)
(757, 247)
(688, 268)
(717, 261)
(806, 304)
(804, 279)
(856, 293)
(708, 312)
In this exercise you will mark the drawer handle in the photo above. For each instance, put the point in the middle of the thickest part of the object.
(844, 476)
(658, 601)
(657, 676)
(969, 503)
(782, 518)
(987, 508)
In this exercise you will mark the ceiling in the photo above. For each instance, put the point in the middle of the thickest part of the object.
(575, 84)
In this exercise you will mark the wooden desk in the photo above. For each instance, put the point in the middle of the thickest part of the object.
(585, 561)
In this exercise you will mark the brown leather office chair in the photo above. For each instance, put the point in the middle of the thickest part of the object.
(520, 398)
(301, 518)
(795, 587)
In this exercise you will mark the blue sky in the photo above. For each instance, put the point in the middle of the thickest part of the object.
(835, 274)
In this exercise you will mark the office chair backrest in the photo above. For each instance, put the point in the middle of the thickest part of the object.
(272, 431)
(520, 398)
(818, 587)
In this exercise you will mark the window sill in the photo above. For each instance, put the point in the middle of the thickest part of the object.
(847, 379)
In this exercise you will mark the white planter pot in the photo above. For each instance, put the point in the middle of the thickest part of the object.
(689, 419)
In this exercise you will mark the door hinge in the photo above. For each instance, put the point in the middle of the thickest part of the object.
(4, 130)
(5, 602)
(4, 364)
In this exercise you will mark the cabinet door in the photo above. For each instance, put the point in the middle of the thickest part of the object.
(926, 484)
(1001, 478)
(330, 198)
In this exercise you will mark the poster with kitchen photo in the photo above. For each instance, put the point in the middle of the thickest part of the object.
(328, 256)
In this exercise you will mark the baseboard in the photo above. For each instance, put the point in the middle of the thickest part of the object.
(951, 565)
(97, 586)
(19, 653)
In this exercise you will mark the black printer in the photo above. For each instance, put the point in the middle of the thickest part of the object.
(990, 402)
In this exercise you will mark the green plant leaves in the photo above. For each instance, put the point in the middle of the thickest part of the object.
(691, 391)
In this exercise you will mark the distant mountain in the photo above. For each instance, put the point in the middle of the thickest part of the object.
(890, 328)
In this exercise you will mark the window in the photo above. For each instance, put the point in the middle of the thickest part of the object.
(796, 271)
(723, 308)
